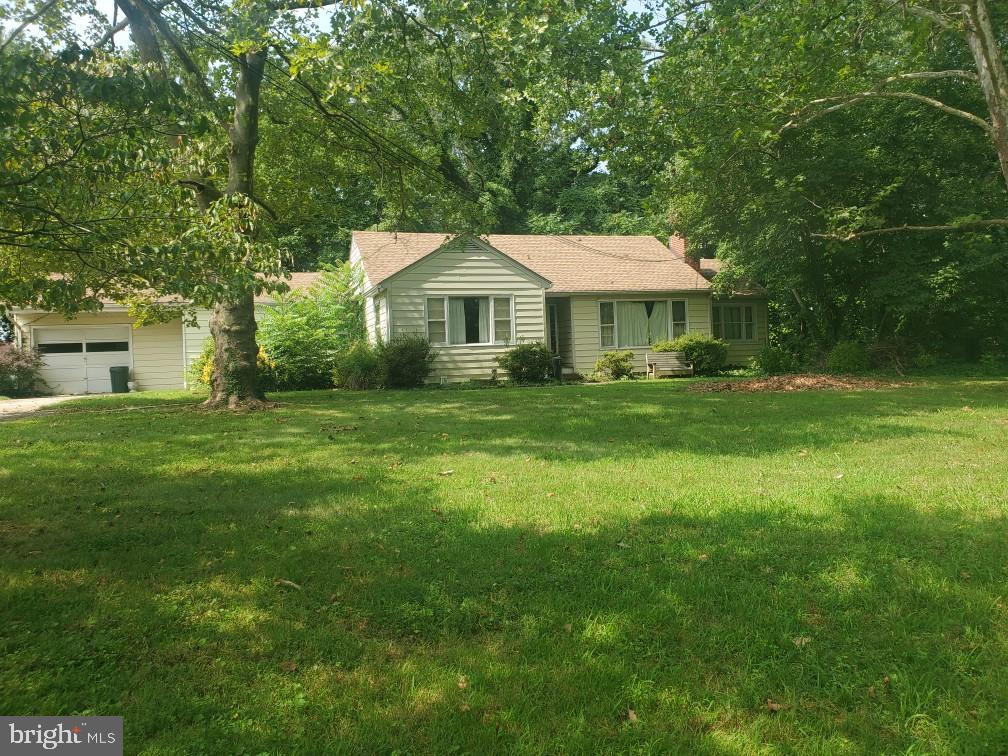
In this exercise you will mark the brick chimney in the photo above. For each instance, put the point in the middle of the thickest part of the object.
(678, 247)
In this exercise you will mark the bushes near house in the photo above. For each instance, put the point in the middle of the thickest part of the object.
(614, 366)
(358, 368)
(402, 362)
(405, 361)
(306, 330)
(528, 363)
(707, 353)
(774, 360)
(20, 371)
(847, 358)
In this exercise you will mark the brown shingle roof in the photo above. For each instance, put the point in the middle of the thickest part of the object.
(571, 263)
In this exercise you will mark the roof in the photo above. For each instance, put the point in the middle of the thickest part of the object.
(296, 282)
(571, 263)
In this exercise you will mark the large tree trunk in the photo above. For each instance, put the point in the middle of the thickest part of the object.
(235, 382)
(986, 50)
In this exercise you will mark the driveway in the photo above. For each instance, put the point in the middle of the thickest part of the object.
(14, 408)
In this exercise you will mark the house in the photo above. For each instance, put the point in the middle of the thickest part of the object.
(473, 297)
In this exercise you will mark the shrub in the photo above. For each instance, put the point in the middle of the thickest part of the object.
(774, 360)
(614, 366)
(358, 367)
(405, 360)
(200, 371)
(707, 353)
(847, 357)
(20, 370)
(306, 330)
(528, 363)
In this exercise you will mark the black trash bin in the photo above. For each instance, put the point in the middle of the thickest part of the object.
(120, 378)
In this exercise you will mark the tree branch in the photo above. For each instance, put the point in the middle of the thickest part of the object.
(27, 22)
(943, 21)
(964, 227)
(851, 100)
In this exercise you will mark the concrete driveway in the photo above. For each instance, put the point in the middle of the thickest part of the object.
(14, 408)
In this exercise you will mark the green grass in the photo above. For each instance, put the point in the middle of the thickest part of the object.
(516, 570)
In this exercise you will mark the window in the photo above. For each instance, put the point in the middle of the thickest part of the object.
(469, 320)
(607, 323)
(733, 322)
(70, 347)
(437, 324)
(627, 324)
(108, 346)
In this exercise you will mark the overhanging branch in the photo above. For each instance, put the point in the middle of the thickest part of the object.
(962, 227)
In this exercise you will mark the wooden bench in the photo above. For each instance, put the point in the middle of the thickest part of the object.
(668, 363)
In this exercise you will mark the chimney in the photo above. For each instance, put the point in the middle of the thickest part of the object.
(677, 245)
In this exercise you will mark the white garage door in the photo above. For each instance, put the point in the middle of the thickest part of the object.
(78, 358)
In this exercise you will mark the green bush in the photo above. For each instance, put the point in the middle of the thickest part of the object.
(528, 363)
(707, 353)
(773, 360)
(847, 358)
(358, 367)
(614, 366)
(20, 371)
(306, 330)
(200, 371)
(405, 360)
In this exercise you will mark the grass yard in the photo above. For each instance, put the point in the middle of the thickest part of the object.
(627, 567)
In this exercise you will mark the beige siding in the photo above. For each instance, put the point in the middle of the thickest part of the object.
(376, 317)
(459, 272)
(740, 352)
(157, 349)
(585, 322)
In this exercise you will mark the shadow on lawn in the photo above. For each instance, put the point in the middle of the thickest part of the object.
(162, 606)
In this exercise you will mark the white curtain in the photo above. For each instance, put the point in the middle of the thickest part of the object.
(456, 321)
(631, 324)
(484, 320)
(658, 321)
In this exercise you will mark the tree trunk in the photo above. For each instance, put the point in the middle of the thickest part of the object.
(235, 381)
(986, 52)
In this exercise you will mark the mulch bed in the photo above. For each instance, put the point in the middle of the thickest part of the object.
(803, 382)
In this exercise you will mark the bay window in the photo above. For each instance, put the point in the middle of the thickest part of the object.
(469, 320)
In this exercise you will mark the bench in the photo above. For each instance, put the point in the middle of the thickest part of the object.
(668, 363)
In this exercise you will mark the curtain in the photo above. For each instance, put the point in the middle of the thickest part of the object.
(631, 324)
(484, 320)
(658, 322)
(456, 321)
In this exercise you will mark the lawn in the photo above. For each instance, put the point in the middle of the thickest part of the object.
(627, 567)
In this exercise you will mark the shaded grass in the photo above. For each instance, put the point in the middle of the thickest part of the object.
(515, 570)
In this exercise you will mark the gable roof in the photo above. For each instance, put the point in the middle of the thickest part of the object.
(571, 263)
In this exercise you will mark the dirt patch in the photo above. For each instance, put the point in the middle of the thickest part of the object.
(804, 382)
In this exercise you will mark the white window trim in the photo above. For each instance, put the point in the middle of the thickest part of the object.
(741, 305)
(492, 343)
(615, 323)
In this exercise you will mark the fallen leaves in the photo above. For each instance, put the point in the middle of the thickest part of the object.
(446, 473)
(773, 707)
(463, 682)
(631, 716)
(801, 641)
(282, 582)
(288, 666)
(804, 382)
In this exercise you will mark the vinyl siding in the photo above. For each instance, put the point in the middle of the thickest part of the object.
(585, 323)
(740, 352)
(157, 349)
(471, 271)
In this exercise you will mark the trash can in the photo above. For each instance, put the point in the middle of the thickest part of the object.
(557, 367)
(120, 377)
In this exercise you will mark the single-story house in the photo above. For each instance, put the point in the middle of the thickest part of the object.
(473, 297)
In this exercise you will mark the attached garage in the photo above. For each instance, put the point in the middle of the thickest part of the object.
(78, 358)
